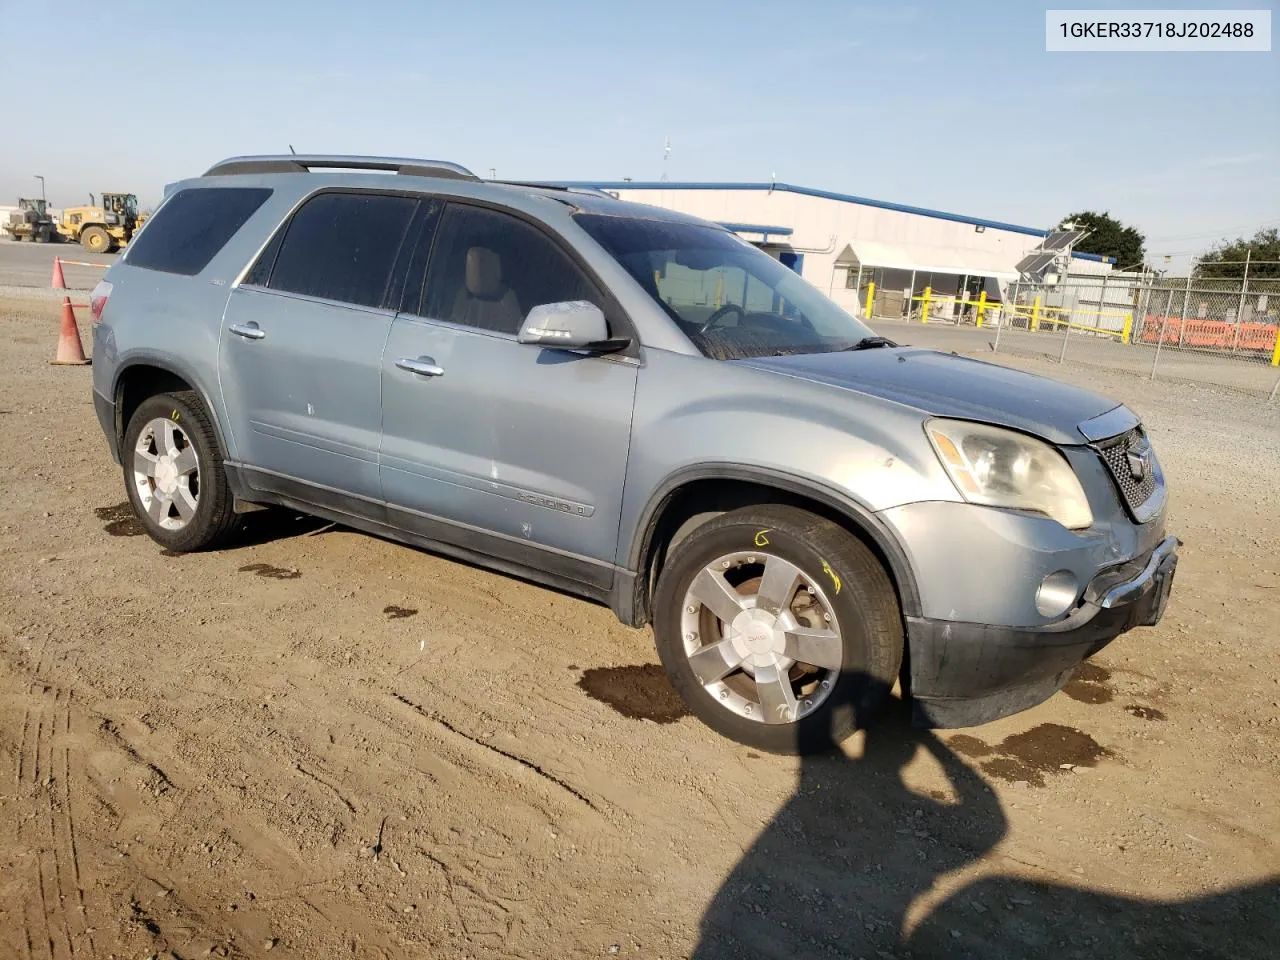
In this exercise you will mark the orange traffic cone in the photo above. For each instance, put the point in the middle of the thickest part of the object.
(59, 283)
(70, 350)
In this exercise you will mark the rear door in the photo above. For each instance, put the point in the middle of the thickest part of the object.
(521, 451)
(301, 346)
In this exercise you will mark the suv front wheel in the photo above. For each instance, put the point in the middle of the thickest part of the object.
(173, 473)
(778, 628)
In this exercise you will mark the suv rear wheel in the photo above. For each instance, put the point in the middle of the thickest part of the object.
(173, 473)
(778, 628)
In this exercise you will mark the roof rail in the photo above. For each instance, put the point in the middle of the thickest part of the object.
(301, 163)
(560, 187)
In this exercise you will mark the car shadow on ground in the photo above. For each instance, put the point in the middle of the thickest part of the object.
(278, 523)
(835, 871)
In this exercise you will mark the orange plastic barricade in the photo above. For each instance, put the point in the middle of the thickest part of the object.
(1208, 333)
(1258, 336)
(1153, 325)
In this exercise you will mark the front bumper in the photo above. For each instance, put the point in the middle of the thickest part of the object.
(964, 674)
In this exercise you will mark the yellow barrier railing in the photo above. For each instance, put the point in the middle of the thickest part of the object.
(1037, 313)
(928, 298)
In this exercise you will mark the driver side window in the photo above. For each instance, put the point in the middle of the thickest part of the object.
(489, 269)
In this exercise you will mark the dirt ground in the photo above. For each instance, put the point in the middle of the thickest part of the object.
(319, 744)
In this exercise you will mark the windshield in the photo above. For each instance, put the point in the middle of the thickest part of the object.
(731, 299)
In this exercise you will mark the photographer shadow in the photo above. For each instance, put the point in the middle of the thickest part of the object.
(836, 871)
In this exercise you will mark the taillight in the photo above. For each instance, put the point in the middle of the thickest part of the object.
(98, 300)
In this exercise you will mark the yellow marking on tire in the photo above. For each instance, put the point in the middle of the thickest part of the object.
(761, 540)
(832, 574)
(175, 416)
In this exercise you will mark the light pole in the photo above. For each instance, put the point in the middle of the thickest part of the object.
(41, 179)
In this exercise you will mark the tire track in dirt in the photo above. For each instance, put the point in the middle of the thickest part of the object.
(47, 851)
(550, 778)
(34, 833)
(38, 831)
(29, 768)
(46, 767)
(68, 840)
(351, 807)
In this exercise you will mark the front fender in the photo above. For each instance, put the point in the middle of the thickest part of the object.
(856, 515)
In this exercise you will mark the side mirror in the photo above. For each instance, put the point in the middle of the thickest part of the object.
(569, 325)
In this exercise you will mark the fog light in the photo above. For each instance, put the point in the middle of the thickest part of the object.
(1057, 593)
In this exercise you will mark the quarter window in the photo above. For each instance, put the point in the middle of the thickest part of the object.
(192, 226)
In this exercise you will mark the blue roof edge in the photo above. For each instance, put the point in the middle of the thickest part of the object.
(756, 228)
(806, 191)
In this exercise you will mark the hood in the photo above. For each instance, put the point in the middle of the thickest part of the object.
(947, 385)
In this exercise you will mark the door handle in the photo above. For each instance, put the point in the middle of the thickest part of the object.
(421, 365)
(250, 330)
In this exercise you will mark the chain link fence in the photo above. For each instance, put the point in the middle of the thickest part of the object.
(1220, 332)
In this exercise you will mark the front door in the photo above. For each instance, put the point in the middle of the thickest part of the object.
(301, 346)
(509, 449)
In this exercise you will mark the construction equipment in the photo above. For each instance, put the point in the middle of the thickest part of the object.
(102, 227)
(31, 221)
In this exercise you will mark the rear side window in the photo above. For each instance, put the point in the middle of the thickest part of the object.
(341, 246)
(192, 226)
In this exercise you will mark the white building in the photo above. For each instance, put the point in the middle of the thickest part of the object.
(842, 243)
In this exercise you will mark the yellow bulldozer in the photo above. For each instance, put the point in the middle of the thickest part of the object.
(102, 227)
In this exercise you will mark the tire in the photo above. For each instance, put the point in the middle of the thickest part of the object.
(185, 504)
(830, 584)
(95, 239)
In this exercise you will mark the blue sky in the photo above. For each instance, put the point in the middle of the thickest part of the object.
(953, 105)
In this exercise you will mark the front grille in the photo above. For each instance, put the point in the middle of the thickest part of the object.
(1134, 490)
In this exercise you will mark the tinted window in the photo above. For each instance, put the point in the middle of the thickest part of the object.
(192, 226)
(342, 246)
(410, 275)
(260, 272)
(489, 269)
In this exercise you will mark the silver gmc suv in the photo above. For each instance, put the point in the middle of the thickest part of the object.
(640, 408)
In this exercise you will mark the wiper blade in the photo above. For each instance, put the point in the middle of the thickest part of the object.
(869, 343)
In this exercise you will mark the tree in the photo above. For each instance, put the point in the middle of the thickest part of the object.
(1109, 238)
(1227, 258)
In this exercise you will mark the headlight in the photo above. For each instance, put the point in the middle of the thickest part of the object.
(1001, 468)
